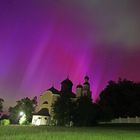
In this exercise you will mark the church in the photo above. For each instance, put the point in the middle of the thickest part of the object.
(45, 110)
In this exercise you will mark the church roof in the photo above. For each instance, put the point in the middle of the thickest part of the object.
(53, 90)
(43, 112)
(86, 83)
(69, 95)
(67, 81)
(79, 86)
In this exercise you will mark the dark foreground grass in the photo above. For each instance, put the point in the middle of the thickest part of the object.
(103, 132)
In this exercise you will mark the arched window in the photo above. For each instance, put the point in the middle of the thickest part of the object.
(45, 102)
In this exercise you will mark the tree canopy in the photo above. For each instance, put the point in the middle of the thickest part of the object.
(63, 110)
(81, 111)
(1, 104)
(85, 112)
(25, 105)
(122, 98)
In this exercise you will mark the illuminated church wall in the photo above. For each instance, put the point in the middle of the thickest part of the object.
(46, 100)
(48, 97)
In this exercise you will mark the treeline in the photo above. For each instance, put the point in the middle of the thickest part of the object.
(25, 105)
(1, 104)
(118, 99)
(121, 98)
(80, 112)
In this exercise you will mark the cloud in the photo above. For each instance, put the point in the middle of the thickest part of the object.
(109, 21)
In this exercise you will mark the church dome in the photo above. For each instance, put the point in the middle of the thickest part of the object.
(86, 77)
(67, 81)
(79, 86)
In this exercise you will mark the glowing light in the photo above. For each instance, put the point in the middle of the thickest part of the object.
(21, 113)
(23, 118)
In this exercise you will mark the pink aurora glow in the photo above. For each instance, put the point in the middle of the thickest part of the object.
(41, 42)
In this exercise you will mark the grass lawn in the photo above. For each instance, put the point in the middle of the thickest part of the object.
(103, 132)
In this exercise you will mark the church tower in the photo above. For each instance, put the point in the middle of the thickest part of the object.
(79, 90)
(66, 88)
(86, 87)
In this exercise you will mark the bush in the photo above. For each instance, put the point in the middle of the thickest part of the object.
(5, 122)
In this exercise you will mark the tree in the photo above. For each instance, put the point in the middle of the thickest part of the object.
(85, 112)
(122, 98)
(63, 110)
(25, 105)
(1, 104)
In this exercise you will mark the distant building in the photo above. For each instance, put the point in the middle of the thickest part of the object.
(41, 118)
(48, 98)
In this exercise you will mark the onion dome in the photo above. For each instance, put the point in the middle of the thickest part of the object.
(79, 86)
(86, 77)
(67, 81)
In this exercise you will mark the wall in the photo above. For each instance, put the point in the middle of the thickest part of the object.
(48, 97)
(40, 120)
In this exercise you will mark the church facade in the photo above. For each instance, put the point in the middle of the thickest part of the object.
(48, 98)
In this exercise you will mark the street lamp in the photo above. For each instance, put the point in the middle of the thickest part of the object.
(21, 113)
(22, 119)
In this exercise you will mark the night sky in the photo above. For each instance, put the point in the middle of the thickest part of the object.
(43, 41)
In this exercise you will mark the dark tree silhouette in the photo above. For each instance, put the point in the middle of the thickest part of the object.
(85, 112)
(25, 105)
(4, 116)
(1, 104)
(63, 110)
(82, 112)
(121, 98)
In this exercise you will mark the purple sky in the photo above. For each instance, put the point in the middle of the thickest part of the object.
(43, 41)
